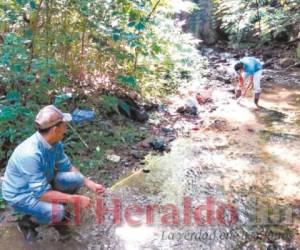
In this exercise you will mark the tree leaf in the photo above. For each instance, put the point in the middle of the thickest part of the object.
(17, 68)
(140, 26)
(131, 24)
(13, 96)
(33, 5)
(127, 80)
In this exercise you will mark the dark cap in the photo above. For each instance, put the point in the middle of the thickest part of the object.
(50, 116)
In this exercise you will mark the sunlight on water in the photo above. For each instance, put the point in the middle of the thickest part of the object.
(134, 237)
(284, 154)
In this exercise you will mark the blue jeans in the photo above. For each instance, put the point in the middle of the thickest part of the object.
(45, 212)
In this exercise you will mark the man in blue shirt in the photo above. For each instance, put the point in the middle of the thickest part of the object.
(249, 70)
(39, 174)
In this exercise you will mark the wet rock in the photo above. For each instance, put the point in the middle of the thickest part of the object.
(269, 78)
(214, 58)
(286, 62)
(151, 106)
(237, 56)
(172, 138)
(145, 144)
(137, 154)
(190, 108)
(227, 81)
(269, 64)
(155, 122)
(222, 79)
(167, 130)
(158, 144)
(146, 170)
(203, 99)
(221, 143)
(207, 51)
(128, 106)
(267, 54)
(181, 110)
(191, 111)
(113, 158)
(219, 124)
(212, 109)
(223, 60)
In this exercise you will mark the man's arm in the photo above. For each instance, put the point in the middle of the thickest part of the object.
(249, 86)
(94, 187)
(59, 197)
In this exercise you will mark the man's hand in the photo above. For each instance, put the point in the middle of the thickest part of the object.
(85, 202)
(94, 187)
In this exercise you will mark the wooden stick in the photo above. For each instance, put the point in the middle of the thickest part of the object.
(79, 136)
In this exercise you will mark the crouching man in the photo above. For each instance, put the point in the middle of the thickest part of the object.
(249, 70)
(39, 176)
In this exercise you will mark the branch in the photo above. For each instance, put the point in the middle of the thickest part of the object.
(153, 10)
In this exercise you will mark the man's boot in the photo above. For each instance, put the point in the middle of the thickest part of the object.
(64, 231)
(256, 99)
(28, 228)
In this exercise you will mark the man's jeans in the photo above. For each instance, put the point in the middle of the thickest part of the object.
(46, 212)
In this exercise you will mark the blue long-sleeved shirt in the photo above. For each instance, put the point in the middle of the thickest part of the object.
(31, 168)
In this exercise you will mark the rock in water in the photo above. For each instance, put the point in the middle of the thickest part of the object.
(158, 144)
(190, 107)
(137, 154)
(191, 110)
(187, 110)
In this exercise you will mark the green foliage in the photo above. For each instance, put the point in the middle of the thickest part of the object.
(47, 47)
(110, 103)
(244, 19)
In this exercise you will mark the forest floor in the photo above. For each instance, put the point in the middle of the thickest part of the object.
(225, 156)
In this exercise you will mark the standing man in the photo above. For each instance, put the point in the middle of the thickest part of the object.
(39, 174)
(249, 70)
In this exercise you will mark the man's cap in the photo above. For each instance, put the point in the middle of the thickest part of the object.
(49, 116)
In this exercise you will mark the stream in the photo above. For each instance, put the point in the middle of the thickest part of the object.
(230, 181)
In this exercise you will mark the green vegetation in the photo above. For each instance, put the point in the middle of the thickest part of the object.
(49, 49)
(246, 20)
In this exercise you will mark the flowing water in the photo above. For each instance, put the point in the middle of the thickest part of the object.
(233, 185)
